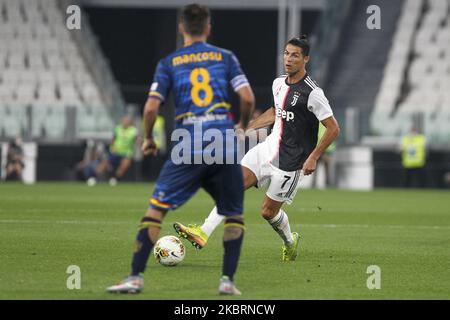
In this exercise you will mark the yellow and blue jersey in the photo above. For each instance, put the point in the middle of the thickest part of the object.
(199, 76)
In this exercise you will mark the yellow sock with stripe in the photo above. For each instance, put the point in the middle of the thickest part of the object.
(144, 245)
(232, 243)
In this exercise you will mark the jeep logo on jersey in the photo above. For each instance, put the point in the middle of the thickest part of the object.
(294, 101)
(288, 115)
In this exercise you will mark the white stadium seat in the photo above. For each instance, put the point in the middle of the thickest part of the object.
(41, 66)
(428, 74)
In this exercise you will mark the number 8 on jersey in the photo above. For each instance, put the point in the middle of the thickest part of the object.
(198, 86)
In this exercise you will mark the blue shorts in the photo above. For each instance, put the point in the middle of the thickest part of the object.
(90, 169)
(178, 183)
(114, 160)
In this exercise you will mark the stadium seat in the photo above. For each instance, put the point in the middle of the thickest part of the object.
(13, 120)
(427, 72)
(41, 66)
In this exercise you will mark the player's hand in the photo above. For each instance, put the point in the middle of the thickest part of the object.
(309, 166)
(149, 147)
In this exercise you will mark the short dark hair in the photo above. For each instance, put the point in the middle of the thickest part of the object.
(195, 18)
(301, 42)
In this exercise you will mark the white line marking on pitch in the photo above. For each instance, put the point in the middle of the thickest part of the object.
(60, 221)
(372, 226)
(329, 226)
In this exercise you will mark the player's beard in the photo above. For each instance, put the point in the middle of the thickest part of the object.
(292, 74)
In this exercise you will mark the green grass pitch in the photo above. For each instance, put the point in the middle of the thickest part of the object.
(47, 227)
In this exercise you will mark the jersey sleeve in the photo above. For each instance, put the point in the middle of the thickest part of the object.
(319, 105)
(276, 85)
(161, 82)
(237, 77)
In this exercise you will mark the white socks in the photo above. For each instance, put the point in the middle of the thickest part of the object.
(212, 221)
(280, 223)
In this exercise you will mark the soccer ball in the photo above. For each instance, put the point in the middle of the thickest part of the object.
(169, 251)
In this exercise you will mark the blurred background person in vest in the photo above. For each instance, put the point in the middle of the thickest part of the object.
(121, 151)
(413, 148)
(150, 165)
(159, 135)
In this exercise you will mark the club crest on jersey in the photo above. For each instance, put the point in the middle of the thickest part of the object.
(294, 101)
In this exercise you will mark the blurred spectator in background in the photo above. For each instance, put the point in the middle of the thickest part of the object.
(159, 134)
(121, 151)
(447, 179)
(94, 154)
(413, 148)
(150, 166)
(325, 160)
(14, 160)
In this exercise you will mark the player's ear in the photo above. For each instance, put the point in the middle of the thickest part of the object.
(306, 59)
(208, 29)
(181, 28)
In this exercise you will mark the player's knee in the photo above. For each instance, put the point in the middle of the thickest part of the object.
(267, 212)
(149, 228)
(155, 214)
(125, 163)
(249, 178)
(234, 228)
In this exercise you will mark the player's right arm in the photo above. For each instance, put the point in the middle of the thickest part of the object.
(268, 117)
(156, 96)
(264, 120)
(150, 113)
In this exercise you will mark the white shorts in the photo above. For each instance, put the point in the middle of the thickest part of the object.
(283, 185)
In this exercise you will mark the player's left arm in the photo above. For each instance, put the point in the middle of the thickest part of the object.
(150, 113)
(319, 105)
(331, 132)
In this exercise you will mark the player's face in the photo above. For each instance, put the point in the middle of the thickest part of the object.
(126, 122)
(294, 60)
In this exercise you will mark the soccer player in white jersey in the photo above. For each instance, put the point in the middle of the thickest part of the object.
(289, 152)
